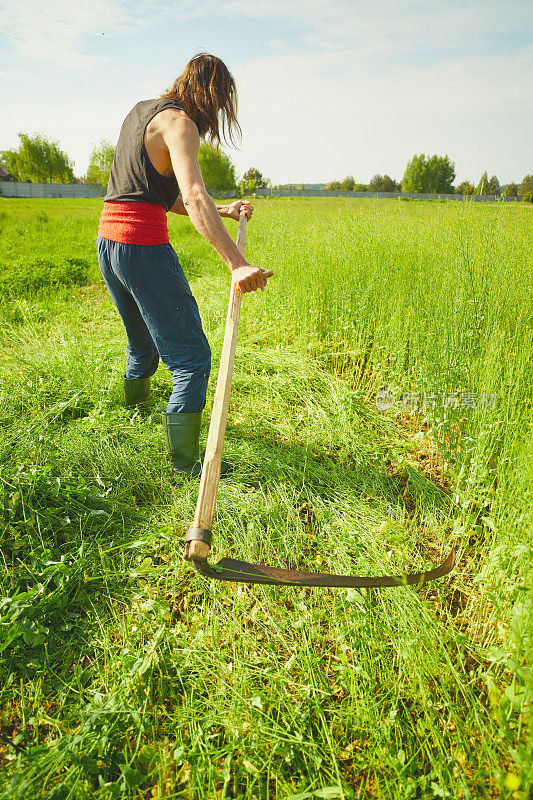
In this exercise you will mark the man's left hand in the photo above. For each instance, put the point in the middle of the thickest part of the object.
(234, 210)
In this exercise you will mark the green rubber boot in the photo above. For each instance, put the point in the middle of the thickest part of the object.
(182, 432)
(137, 393)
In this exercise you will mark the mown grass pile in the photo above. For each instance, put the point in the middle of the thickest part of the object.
(124, 674)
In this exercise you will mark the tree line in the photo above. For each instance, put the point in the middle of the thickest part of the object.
(38, 159)
(41, 160)
(433, 175)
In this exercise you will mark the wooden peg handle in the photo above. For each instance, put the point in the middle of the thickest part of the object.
(196, 549)
(207, 493)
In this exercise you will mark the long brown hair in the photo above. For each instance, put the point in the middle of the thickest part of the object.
(206, 90)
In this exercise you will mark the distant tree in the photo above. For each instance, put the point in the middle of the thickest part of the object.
(382, 183)
(414, 178)
(100, 163)
(39, 160)
(434, 175)
(253, 174)
(347, 185)
(440, 175)
(511, 190)
(217, 170)
(360, 187)
(4, 163)
(465, 188)
(526, 185)
(482, 185)
(493, 186)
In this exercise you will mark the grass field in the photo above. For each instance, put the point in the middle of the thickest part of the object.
(125, 675)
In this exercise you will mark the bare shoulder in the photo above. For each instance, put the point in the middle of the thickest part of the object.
(175, 124)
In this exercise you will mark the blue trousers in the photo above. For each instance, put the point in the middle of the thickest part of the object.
(161, 317)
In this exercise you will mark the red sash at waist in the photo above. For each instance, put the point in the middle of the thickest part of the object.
(134, 223)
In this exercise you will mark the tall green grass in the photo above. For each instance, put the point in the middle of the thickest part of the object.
(126, 675)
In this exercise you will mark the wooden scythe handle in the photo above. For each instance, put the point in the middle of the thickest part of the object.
(197, 550)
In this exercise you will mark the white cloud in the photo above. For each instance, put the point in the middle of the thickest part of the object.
(391, 27)
(54, 33)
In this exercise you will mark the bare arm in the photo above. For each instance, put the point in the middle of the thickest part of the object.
(178, 207)
(224, 211)
(181, 138)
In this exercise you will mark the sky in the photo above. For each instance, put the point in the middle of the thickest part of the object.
(327, 88)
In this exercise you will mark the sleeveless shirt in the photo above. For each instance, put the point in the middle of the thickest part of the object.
(133, 177)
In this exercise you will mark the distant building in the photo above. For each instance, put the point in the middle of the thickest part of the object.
(5, 176)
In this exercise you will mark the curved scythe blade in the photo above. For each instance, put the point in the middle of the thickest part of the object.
(229, 569)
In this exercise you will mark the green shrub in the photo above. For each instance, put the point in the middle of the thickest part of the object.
(528, 197)
(40, 273)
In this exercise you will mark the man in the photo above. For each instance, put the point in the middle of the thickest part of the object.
(155, 170)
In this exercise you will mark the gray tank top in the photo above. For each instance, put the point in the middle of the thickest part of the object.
(133, 177)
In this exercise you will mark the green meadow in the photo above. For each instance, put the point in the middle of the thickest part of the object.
(124, 674)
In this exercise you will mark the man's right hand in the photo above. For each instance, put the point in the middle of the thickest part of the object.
(248, 278)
